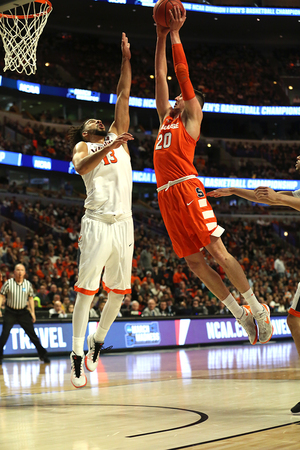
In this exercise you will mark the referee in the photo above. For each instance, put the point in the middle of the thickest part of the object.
(17, 292)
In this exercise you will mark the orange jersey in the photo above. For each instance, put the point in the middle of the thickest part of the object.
(173, 152)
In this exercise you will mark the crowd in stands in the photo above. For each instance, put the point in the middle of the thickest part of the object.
(281, 158)
(162, 284)
(35, 138)
(235, 74)
(288, 61)
(277, 159)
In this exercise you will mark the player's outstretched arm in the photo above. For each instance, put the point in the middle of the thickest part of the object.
(226, 192)
(122, 118)
(161, 70)
(85, 163)
(192, 110)
(267, 195)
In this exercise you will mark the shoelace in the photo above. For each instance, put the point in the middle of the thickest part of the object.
(77, 360)
(99, 349)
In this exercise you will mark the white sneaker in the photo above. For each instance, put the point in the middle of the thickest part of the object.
(247, 322)
(78, 378)
(265, 328)
(92, 356)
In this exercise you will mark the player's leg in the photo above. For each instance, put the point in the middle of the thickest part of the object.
(25, 321)
(294, 325)
(79, 321)
(8, 322)
(95, 341)
(94, 246)
(236, 275)
(293, 321)
(117, 282)
(214, 283)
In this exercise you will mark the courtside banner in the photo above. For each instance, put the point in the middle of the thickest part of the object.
(211, 9)
(146, 176)
(140, 102)
(56, 337)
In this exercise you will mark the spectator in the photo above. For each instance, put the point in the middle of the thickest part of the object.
(42, 294)
(70, 309)
(151, 309)
(281, 308)
(135, 309)
(53, 291)
(66, 302)
(163, 308)
(179, 276)
(101, 305)
(57, 311)
(126, 306)
(93, 314)
(146, 259)
(279, 266)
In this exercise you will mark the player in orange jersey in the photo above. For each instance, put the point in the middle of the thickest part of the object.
(188, 216)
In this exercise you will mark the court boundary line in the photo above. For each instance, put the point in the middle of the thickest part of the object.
(234, 436)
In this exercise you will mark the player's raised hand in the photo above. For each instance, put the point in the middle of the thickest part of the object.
(125, 46)
(160, 30)
(120, 140)
(223, 192)
(177, 18)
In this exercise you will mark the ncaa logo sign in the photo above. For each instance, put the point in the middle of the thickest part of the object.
(30, 88)
(42, 163)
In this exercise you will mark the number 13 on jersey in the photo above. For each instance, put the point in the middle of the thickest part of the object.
(163, 141)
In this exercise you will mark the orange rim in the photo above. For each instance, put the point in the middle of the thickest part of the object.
(30, 16)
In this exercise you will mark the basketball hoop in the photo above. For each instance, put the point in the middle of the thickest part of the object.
(20, 29)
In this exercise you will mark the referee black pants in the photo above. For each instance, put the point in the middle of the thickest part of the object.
(24, 319)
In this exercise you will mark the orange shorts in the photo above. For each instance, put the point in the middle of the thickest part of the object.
(188, 217)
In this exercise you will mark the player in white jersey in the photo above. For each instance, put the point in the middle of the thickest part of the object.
(284, 198)
(106, 238)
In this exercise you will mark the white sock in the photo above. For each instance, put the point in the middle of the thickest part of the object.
(252, 301)
(77, 345)
(109, 313)
(233, 306)
(80, 320)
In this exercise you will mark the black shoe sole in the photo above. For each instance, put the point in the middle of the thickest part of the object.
(296, 408)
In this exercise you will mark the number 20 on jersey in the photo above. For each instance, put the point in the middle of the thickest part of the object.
(163, 141)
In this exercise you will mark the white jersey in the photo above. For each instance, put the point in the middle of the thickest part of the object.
(296, 193)
(109, 185)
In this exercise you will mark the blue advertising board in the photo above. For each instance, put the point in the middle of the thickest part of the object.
(56, 337)
(146, 176)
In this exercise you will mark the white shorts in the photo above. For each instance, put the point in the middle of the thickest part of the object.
(108, 245)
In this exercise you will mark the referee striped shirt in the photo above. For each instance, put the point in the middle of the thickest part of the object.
(17, 294)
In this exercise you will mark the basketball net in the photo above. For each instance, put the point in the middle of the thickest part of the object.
(20, 29)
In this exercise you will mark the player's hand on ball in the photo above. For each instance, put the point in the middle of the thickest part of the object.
(177, 18)
(161, 31)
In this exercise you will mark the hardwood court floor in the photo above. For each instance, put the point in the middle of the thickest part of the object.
(233, 397)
